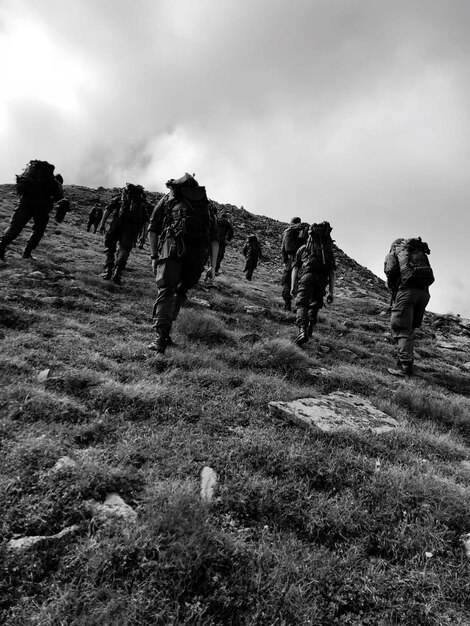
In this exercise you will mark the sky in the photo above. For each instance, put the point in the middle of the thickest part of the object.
(351, 111)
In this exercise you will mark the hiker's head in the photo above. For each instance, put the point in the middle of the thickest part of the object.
(59, 178)
(295, 220)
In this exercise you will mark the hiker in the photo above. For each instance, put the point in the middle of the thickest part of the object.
(293, 238)
(313, 271)
(38, 188)
(225, 229)
(182, 231)
(129, 209)
(409, 276)
(253, 254)
(94, 218)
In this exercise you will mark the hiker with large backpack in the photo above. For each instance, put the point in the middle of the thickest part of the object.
(293, 237)
(130, 213)
(409, 276)
(38, 188)
(182, 233)
(253, 253)
(225, 229)
(313, 271)
(94, 218)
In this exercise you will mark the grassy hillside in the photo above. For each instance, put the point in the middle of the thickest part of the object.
(304, 527)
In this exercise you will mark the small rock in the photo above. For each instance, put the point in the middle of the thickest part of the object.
(208, 483)
(65, 462)
(253, 309)
(200, 302)
(27, 542)
(37, 274)
(43, 375)
(113, 507)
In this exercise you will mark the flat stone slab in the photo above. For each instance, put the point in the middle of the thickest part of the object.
(334, 412)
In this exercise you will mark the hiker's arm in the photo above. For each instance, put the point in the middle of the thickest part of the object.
(106, 214)
(214, 254)
(331, 287)
(293, 283)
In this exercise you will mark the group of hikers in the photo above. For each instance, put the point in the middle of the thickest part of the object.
(185, 234)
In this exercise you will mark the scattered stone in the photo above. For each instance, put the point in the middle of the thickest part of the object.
(112, 508)
(318, 372)
(64, 463)
(24, 543)
(37, 274)
(253, 309)
(200, 302)
(334, 412)
(208, 483)
(43, 375)
(466, 366)
(465, 539)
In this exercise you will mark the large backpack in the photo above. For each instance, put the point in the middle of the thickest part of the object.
(133, 204)
(37, 179)
(188, 212)
(319, 255)
(407, 264)
(294, 237)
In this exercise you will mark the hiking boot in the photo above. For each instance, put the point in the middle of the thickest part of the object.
(311, 326)
(403, 370)
(107, 274)
(302, 336)
(2, 254)
(117, 277)
(162, 341)
(27, 254)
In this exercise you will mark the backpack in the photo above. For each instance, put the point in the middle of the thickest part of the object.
(188, 212)
(318, 254)
(407, 263)
(133, 204)
(63, 208)
(225, 230)
(294, 237)
(36, 179)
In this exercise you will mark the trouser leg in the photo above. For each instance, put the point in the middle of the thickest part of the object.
(40, 221)
(18, 221)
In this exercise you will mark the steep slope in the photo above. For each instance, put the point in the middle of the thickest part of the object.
(305, 527)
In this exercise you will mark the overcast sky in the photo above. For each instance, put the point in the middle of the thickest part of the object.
(354, 111)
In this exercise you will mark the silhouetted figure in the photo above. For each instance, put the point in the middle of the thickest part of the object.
(225, 229)
(409, 276)
(293, 238)
(129, 210)
(252, 252)
(313, 270)
(94, 218)
(182, 232)
(38, 189)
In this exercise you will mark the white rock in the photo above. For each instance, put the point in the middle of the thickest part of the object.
(335, 412)
(65, 462)
(208, 483)
(43, 375)
(27, 542)
(113, 507)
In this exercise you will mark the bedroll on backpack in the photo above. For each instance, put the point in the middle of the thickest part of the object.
(319, 251)
(36, 179)
(189, 215)
(133, 203)
(413, 263)
(294, 237)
